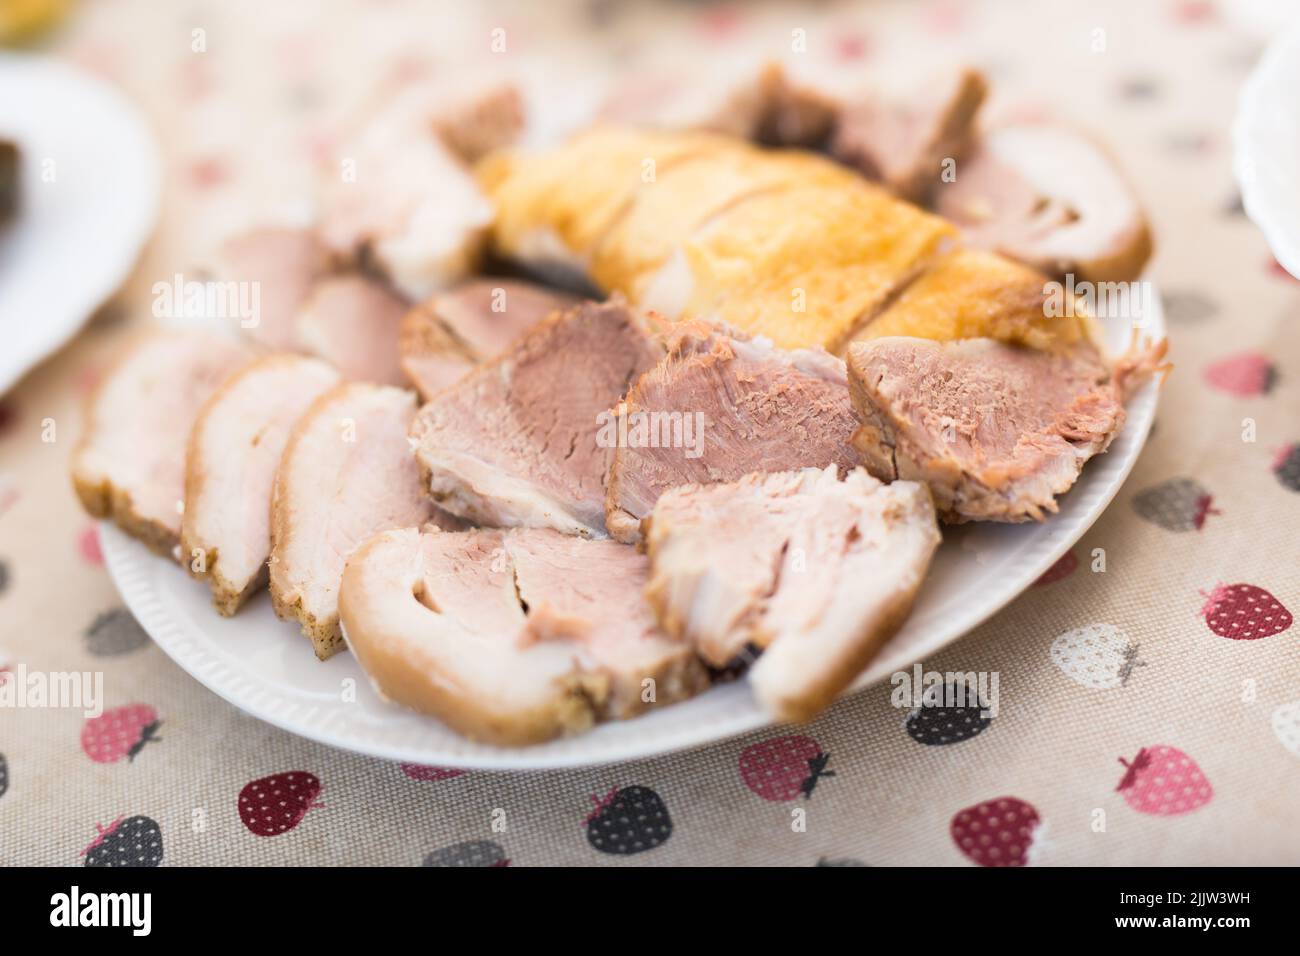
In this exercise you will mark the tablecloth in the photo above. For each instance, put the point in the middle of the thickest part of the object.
(1203, 714)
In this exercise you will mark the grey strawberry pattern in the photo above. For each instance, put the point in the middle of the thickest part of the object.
(134, 841)
(113, 633)
(469, 853)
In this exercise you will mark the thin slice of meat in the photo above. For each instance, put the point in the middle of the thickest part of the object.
(814, 572)
(519, 441)
(347, 473)
(230, 463)
(129, 464)
(285, 263)
(1051, 198)
(719, 406)
(996, 431)
(447, 335)
(353, 322)
(904, 144)
(511, 637)
(402, 202)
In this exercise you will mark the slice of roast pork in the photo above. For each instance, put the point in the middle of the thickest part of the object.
(129, 464)
(347, 473)
(1050, 198)
(230, 463)
(904, 144)
(447, 335)
(511, 637)
(814, 572)
(285, 263)
(997, 431)
(719, 406)
(521, 440)
(353, 322)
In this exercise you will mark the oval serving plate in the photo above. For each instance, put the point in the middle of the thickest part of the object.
(265, 667)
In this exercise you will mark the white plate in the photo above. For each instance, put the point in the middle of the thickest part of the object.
(90, 184)
(265, 667)
(1266, 148)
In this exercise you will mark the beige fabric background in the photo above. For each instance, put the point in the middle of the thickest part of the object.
(240, 126)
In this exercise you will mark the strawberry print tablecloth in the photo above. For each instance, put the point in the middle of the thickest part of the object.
(1149, 712)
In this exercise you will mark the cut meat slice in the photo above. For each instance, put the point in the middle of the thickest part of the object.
(815, 572)
(1051, 198)
(353, 322)
(973, 294)
(904, 144)
(483, 122)
(519, 440)
(285, 263)
(511, 637)
(230, 465)
(444, 337)
(347, 473)
(129, 464)
(997, 431)
(720, 406)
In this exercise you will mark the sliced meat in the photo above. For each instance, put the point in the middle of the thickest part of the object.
(402, 202)
(347, 473)
(230, 463)
(903, 144)
(480, 123)
(815, 572)
(129, 464)
(285, 263)
(518, 441)
(511, 637)
(718, 407)
(353, 322)
(997, 431)
(448, 334)
(972, 294)
(1050, 198)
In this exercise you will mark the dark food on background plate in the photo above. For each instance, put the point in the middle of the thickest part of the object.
(600, 497)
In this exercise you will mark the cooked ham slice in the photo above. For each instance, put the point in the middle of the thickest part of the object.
(997, 431)
(285, 263)
(903, 144)
(129, 464)
(353, 321)
(815, 572)
(511, 637)
(234, 449)
(719, 406)
(517, 441)
(445, 336)
(1051, 198)
(347, 473)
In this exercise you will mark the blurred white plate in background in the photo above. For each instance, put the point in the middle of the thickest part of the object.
(89, 200)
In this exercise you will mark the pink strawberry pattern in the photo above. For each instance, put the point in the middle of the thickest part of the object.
(120, 732)
(1244, 612)
(784, 768)
(1065, 565)
(420, 772)
(997, 832)
(1163, 781)
(1247, 375)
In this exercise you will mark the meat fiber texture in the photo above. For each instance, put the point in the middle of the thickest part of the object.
(347, 473)
(519, 441)
(511, 637)
(230, 463)
(129, 465)
(813, 572)
(719, 406)
(996, 431)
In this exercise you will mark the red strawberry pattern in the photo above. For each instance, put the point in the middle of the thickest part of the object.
(784, 768)
(420, 772)
(1247, 375)
(1244, 612)
(1065, 565)
(997, 832)
(276, 804)
(120, 732)
(1163, 781)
